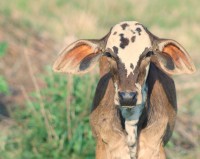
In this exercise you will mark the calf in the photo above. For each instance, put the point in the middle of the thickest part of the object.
(134, 108)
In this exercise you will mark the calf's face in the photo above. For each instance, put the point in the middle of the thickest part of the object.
(129, 48)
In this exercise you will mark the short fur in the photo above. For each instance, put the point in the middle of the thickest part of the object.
(157, 118)
(132, 60)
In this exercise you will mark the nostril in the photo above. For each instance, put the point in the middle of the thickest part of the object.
(121, 95)
(133, 95)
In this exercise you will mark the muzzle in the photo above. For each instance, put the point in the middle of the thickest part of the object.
(127, 98)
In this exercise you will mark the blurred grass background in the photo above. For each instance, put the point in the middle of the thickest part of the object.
(46, 115)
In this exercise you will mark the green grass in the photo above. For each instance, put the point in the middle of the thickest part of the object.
(4, 88)
(3, 48)
(46, 129)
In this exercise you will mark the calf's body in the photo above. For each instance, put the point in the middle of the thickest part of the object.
(134, 108)
(154, 128)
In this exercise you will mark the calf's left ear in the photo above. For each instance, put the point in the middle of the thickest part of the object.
(172, 58)
(79, 57)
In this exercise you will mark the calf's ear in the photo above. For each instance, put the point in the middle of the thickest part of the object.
(79, 57)
(172, 58)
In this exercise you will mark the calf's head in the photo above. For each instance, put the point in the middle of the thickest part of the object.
(129, 48)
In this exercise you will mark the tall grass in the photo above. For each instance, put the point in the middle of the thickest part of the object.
(60, 128)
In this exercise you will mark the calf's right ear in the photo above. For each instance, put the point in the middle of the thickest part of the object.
(172, 58)
(79, 57)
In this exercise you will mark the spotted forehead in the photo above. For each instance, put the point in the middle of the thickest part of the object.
(128, 40)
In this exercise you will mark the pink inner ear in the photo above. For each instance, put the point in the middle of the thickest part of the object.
(74, 56)
(176, 54)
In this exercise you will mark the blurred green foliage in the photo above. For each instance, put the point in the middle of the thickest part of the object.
(3, 48)
(3, 85)
(46, 128)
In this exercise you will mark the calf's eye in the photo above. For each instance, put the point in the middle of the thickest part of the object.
(149, 53)
(108, 54)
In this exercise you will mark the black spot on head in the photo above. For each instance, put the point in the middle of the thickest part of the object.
(115, 33)
(115, 49)
(133, 39)
(131, 66)
(132, 31)
(124, 26)
(124, 41)
(139, 31)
